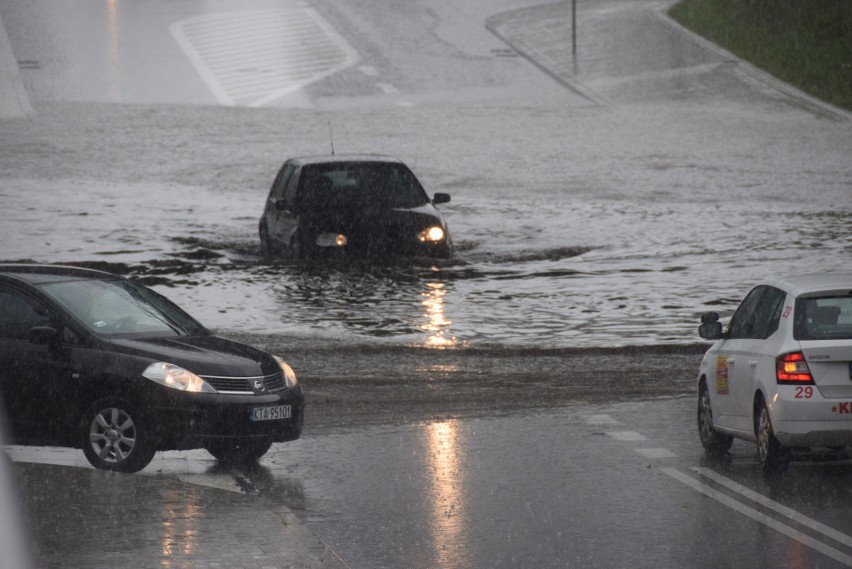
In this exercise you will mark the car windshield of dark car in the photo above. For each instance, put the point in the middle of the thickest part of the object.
(824, 318)
(360, 184)
(121, 308)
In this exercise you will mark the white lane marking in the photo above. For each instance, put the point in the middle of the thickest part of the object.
(626, 436)
(251, 58)
(800, 519)
(600, 420)
(655, 452)
(760, 517)
(369, 70)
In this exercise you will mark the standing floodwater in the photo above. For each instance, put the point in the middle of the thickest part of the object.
(609, 215)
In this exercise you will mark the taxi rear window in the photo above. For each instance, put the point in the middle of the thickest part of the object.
(823, 318)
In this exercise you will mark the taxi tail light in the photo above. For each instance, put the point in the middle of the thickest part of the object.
(793, 369)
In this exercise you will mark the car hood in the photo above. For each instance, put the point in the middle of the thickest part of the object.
(202, 355)
(371, 218)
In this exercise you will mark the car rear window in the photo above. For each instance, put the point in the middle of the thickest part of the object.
(823, 318)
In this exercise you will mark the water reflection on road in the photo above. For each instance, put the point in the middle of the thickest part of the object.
(448, 496)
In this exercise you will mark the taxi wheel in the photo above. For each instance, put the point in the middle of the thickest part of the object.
(239, 452)
(114, 438)
(713, 442)
(773, 456)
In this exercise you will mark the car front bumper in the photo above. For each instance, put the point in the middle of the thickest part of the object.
(195, 420)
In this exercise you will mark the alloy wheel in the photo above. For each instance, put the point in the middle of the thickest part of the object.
(112, 435)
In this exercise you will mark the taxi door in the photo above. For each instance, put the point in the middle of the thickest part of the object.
(750, 351)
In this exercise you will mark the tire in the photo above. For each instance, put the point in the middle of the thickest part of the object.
(714, 443)
(115, 438)
(239, 452)
(774, 458)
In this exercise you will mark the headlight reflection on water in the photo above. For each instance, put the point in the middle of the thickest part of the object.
(449, 509)
(179, 535)
(437, 325)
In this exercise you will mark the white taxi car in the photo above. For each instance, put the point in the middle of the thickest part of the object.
(780, 374)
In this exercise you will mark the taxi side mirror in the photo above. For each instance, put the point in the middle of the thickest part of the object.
(711, 328)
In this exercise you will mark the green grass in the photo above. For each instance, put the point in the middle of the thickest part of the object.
(806, 43)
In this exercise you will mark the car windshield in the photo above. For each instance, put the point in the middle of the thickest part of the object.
(119, 307)
(360, 184)
(824, 318)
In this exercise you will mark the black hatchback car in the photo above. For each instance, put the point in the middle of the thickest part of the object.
(95, 361)
(352, 207)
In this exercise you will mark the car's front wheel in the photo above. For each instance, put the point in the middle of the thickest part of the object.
(114, 436)
(714, 443)
(239, 452)
(773, 456)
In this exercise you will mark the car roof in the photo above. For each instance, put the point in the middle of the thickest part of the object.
(39, 274)
(340, 158)
(803, 284)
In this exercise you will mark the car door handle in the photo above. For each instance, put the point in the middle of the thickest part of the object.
(731, 361)
(752, 363)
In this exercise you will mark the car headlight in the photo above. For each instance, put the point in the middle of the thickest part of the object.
(431, 234)
(176, 377)
(289, 374)
(331, 240)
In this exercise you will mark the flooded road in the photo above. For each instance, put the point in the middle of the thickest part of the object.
(568, 232)
(604, 216)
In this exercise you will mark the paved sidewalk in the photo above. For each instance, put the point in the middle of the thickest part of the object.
(631, 52)
(85, 518)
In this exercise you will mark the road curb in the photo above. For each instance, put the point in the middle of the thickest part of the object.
(500, 25)
(497, 25)
(810, 102)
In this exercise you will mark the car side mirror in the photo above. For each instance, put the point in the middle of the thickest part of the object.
(43, 334)
(441, 198)
(710, 330)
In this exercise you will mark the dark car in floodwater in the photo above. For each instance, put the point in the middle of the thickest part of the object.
(95, 361)
(352, 206)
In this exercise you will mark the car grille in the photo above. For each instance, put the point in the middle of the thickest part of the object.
(274, 382)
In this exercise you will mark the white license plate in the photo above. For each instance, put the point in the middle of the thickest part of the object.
(269, 413)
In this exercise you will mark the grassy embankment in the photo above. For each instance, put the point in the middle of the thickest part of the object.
(806, 43)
